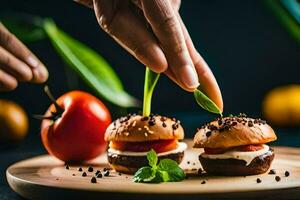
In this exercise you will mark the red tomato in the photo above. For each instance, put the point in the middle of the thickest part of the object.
(78, 132)
(157, 145)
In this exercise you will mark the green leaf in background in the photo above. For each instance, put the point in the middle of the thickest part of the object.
(90, 65)
(27, 28)
(151, 79)
(206, 103)
(286, 15)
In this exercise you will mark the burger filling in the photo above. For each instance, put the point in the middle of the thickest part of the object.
(246, 153)
(141, 148)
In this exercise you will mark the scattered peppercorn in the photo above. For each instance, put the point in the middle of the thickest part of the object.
(144, 118)
(258, 180)
(97, 172)
(164, 124)
(287, 173)
(90, 169)
(120, 174)
(93, 180)
(106, 173)
(84, 174)
(200, 171)
(67, 167)
(203, 182)
(272, 171)
(106, 168)
(99, 175)
(80, 169)
(277, 178)
(151, 122)
(175, 126)
(188, 162)
(73, 174)
(208, 133)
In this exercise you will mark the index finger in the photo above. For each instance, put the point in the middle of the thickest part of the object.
(166, 27)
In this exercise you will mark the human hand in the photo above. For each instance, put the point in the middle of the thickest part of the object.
(18, 63)
(164, 47)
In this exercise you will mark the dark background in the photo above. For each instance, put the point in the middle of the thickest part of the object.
(242, 41)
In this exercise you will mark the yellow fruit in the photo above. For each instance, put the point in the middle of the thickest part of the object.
(281, 106)
(13, 122)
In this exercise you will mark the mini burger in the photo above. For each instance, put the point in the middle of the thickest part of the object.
(131, 137)
(235, 146)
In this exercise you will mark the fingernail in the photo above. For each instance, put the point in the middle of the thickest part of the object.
(33, 62)
(189, 77)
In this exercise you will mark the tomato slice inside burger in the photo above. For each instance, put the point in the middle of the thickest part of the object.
(244, 148)
(158, 146)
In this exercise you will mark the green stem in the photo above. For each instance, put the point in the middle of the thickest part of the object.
(151, 79)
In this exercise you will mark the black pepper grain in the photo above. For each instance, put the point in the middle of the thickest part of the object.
(90, 169)
(67, 167)
(106, 173)
(73, 174)
(97, 172)
(287, 173)
(208, 133)
(99, 175)
(277, 178)
(151, 122)
(188, 162)
(272, 171)
(203, 182)
(93, 180)
(84, 174)
(144, 118)
(258, 180)
(80, 169)
(175, 126)
(120, 174)
(164, 124)
(200, 171)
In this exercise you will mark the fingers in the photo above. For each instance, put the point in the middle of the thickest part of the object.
(131, 33)
(14, 66)
(16, 48)
(7, 82)
(207, 80)
(166, 27)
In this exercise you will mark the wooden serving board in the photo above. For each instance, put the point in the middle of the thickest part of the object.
(45, 177)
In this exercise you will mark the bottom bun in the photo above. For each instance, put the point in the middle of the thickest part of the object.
(235, 167)
(130, 164)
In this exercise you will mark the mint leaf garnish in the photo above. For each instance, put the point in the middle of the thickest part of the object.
(152, 158)
(144, 174)
(166, 171)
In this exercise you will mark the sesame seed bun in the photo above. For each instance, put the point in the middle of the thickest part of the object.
(233, 131)
(136, 128)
